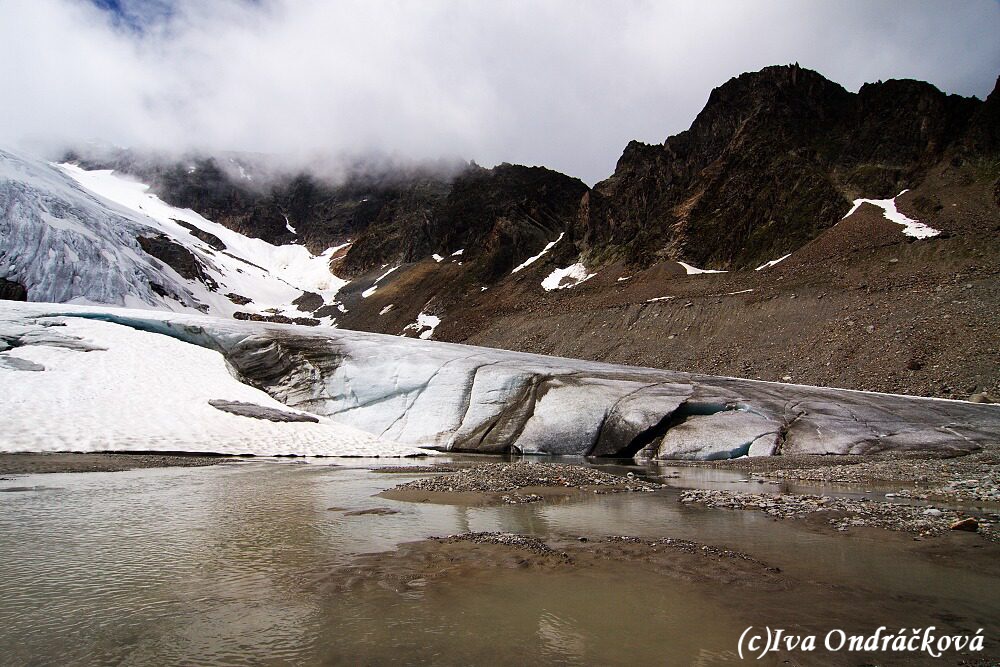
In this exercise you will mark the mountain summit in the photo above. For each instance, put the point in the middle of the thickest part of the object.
(774, 159)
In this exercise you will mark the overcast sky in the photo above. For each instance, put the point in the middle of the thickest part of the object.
(563, 83)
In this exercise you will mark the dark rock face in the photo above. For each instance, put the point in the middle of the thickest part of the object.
(277, 319)
(177, 257)
(326, 311)
(504, 215)
(391, 224)
(773, 160)
(12, 291)
(212, 192)
(395, 217)
(309, 301)
(499, 216)
(211, 239)
(984, 133)
(322, 212)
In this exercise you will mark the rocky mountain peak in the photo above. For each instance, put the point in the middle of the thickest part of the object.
(777, 89)
(984, 133)
(773, 159)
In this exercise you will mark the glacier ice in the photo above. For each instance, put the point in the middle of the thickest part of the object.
(74, 236)
(98, 386)
(460, 398)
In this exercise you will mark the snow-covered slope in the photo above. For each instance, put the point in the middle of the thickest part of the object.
(70, 235)
(71, 384)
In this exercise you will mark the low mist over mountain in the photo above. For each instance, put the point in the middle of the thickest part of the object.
(560, 84)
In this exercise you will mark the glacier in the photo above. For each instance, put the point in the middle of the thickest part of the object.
(451, 397)
(83, 385)
(68, 235)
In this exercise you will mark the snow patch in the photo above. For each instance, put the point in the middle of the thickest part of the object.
(571, 276)
(437, 258)
(659, 298)
(693, 270)
(532, 260)
(458, 253)
(386, 309)
(371, 290)
(911, 227)
(767, 265)
(288, 226)
(426, 322)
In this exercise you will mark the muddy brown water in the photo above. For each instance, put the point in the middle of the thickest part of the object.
(226, 565)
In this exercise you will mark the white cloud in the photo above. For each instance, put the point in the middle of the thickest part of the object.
(564, 83)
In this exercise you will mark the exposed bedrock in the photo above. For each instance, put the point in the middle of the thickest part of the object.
(12, 290)
(176, 256)
(461, 398)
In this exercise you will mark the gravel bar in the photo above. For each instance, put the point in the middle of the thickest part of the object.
(418, 470)
(849, 512)
(528, 542)
(510, 478)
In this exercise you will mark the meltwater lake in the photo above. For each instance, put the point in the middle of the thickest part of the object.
(256, 562)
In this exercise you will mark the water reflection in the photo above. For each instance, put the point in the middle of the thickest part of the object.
(213, 565)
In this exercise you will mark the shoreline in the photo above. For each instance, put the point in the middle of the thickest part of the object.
(517, 483)
(922, 475)
(34, 463)
(513, 484)
(503, 483)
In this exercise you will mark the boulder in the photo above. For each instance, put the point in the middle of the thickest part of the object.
(969, 524)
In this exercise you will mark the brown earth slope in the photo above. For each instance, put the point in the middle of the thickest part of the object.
(862, 306)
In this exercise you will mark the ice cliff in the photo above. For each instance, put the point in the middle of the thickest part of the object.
(461, 398)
